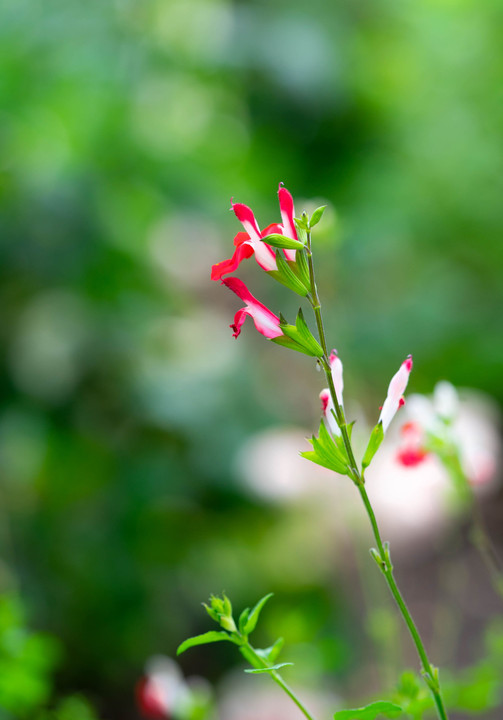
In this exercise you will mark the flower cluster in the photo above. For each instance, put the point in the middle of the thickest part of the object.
(283, 251)
(253, 241)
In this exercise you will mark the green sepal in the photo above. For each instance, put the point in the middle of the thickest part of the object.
(259, 671)
(253, 617)
(286, 276)
(282, 241)
(287, 342)
(376, 438)
(370, 712)
(316, 216)
(302, 335)
(271, 653)
(326, 453)
(301, 268)
(208, 637)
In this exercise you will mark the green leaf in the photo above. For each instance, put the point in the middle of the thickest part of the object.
(254, 615)
(370, 712)
(259, 671)
(316, 216)
(300, 223)
(243, 619)
(204, 639)
(271, 653)
(376, 438)
(282, 241)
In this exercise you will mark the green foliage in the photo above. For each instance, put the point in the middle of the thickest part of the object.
(259, 671)
(204, 639)
(254, 615)
(370, 712)
(27, 661)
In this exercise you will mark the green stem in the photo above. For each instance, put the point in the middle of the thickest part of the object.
(429, 672)
(259, 663)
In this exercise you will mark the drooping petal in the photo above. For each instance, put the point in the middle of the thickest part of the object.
(264, 254)
(266, 322)
(243, 250)
(394, 398)
(328, 409)
(336, 366)
(287, 217)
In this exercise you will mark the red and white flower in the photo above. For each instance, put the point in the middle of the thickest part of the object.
(251, 242)
(266, 322)
(327, 404)
(394, 398)
(287, 216)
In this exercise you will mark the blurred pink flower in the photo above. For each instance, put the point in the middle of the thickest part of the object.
(327, 404)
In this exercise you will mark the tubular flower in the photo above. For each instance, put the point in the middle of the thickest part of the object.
(266, 322)
(250, 242)
(328, 409)
(336, 366)
(394, 398)
(287, 215)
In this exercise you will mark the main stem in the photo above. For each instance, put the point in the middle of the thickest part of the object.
(258, 662)
(429, 672)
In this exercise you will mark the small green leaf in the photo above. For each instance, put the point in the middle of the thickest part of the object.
(370, 712)
(243, 619)
(204, 639)
(259, 671)
(316, 216)
(300, 223)
(376, 438)
(254, 615)
(282, 241)
(271, 653)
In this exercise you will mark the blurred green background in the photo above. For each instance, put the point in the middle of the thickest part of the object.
(125, 128)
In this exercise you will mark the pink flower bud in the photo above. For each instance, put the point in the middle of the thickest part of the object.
(394, 398)
(328, 409)
(336, 367)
